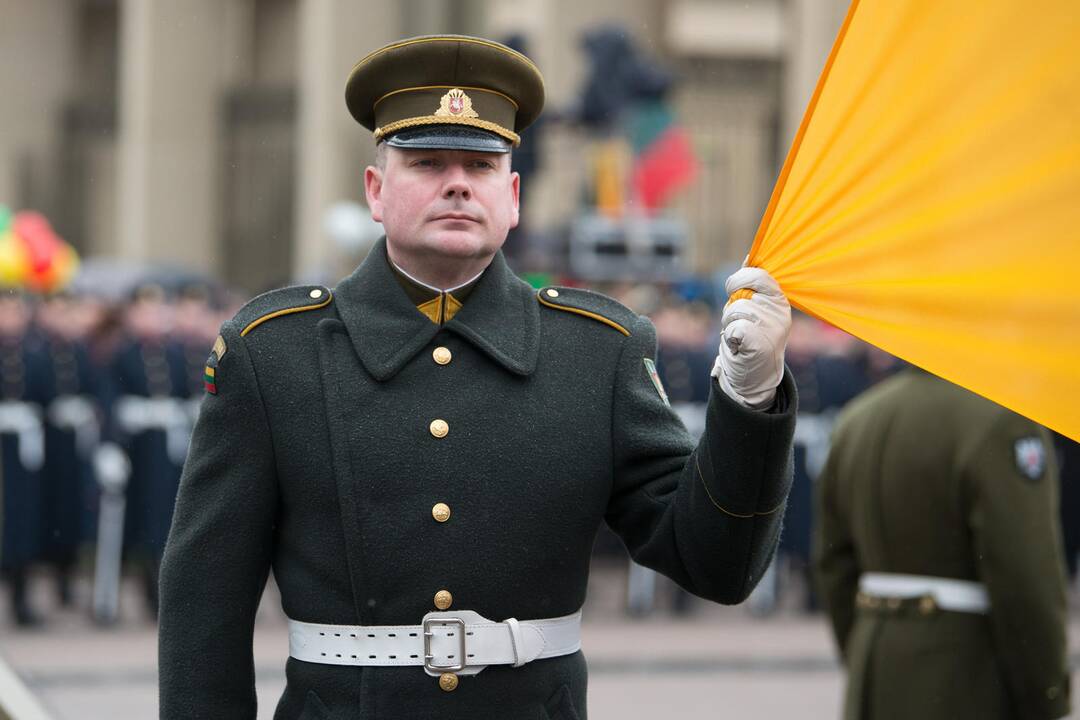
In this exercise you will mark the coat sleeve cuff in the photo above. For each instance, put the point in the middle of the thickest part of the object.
(744, 459)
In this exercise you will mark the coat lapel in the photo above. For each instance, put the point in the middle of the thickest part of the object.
(500, 317)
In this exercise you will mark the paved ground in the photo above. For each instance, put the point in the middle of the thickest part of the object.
(720, 662)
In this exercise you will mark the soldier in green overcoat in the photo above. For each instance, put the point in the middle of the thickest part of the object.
(938, 555)
(423, 454)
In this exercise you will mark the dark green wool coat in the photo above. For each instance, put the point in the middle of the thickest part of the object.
(925, 478)
(315, 458)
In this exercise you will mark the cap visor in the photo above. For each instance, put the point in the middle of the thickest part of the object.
(448, 137)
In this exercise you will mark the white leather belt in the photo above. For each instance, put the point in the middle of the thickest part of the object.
(463, 642)
(949, 594)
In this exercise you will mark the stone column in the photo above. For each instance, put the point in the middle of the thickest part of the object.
(171, 59)
(332, 150)
(813, 26)
(37, 41)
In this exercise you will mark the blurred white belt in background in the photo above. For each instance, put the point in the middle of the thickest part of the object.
(948, 593)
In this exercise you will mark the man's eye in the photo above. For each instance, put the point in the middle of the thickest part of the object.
(424, 162)
(484, 164)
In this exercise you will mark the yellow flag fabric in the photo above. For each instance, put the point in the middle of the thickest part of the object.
(930, 203)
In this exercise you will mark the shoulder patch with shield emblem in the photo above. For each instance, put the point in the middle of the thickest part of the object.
(1030, 457)
(650, 367)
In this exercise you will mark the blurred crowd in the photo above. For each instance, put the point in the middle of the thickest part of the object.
(99, 390)
(98, 394)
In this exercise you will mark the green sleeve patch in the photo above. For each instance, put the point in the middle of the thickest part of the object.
(650, 368)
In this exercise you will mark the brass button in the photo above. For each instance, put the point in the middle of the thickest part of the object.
(553, 293)
(927, 604)
(448, 682)
(893, 603)
(439, 428)
(441, 512)
(443, 600)
(1052, 693)
(315, 294)
(442, 355)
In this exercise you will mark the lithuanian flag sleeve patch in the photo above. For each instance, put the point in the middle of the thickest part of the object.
(210, 371)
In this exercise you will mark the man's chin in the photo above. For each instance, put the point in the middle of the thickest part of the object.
(461, 245)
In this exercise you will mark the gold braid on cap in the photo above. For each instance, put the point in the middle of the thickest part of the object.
(390, 128)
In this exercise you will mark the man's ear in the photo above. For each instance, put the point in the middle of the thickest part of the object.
(515, 189)
(373, 192)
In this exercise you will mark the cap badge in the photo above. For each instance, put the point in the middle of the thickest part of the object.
(456, 104)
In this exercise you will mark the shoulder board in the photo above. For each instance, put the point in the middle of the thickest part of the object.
(276, 303)
(588, 304)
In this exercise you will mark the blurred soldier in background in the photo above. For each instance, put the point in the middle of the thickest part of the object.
(195, 327)
(73, 430)
(832, 372)
(22, 395)
(939, 557)
(152, 424)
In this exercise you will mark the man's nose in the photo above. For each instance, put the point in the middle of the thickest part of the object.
(457, 183)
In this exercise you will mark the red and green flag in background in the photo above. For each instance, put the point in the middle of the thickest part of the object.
(664, 160)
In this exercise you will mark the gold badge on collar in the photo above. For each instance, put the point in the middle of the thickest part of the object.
(456, 104)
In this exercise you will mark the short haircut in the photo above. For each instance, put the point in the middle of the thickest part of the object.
(381, 150)
(380, 155)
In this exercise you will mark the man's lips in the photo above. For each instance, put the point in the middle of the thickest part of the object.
(456, 216)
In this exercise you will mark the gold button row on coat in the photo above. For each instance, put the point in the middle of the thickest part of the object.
(439, 428)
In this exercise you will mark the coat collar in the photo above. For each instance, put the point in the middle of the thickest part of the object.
(501, 317)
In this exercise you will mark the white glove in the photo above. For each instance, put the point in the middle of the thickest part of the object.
(754, 332)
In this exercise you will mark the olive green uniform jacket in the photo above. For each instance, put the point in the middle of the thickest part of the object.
(924, 478)
(315, 457)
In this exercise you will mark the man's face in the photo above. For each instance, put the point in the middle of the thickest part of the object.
(443, 204)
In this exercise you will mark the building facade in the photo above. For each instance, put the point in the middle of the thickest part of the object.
(212, 135)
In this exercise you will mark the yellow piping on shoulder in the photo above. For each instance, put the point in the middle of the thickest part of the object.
(586, 313)
(256, 323)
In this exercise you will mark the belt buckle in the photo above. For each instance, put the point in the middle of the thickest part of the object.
(428, 634)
